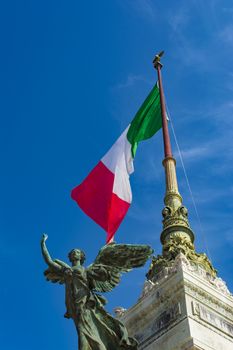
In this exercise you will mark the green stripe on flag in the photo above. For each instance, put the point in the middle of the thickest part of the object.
(147, 121)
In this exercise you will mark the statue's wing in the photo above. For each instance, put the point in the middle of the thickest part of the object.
(103, 278)
(124, 256)
(56, 276)
(114, 259)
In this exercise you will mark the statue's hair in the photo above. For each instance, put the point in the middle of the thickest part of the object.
(83, 256)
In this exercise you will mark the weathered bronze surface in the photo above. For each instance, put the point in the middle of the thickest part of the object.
(97, 330)
(177, 236)
(177, 244)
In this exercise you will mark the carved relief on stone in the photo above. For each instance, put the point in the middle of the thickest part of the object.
(195, 308)
(166, 318)
(148, 285)
(221, 285)
(204, 297)
(178, 244)
(212, 318)
(162, 323)
(217, 282)
(169, 268)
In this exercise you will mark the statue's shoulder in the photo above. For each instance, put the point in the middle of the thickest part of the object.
(62, 264)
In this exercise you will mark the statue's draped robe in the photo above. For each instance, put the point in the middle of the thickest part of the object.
(97, 330)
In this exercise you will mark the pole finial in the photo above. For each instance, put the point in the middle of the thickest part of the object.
(156, 60)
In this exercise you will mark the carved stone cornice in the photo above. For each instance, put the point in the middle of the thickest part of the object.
(205, 298)
(181, 262)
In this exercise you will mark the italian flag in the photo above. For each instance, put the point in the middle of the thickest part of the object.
(105, 194)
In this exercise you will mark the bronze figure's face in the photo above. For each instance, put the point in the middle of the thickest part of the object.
(76, 255)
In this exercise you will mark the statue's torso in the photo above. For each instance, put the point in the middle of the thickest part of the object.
(77, 290)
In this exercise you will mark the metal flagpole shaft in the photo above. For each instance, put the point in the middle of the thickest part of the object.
(169, 162)
(166, 138)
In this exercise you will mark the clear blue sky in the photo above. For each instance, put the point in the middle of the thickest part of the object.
(72, 76)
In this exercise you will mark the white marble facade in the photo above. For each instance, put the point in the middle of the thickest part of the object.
(184, 308)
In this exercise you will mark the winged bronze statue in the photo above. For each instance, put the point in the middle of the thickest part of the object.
(97, 329)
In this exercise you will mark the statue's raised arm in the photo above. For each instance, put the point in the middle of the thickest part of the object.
(47, 258)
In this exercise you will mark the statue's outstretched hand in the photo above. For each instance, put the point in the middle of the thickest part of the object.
(44, 237)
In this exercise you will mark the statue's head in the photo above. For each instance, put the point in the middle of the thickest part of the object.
(77, 254)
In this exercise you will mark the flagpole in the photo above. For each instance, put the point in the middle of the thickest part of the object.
(169, 162)
(166, 139)
(177, 236)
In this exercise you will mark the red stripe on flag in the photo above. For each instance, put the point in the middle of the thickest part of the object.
(117, 213)
(96, 199)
